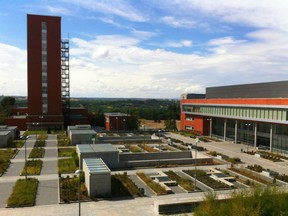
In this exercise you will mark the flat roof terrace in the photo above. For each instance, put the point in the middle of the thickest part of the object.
(86, 148)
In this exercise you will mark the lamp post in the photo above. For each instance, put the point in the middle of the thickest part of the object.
(36, 126)
(25, 148)
(117, 124)
(247, 126)
(41, 117)
(195, 160)
(78, 172)
(159, 147)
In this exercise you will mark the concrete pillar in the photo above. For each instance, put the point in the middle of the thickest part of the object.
(255, 134)
(210, 127)
(225, 126)
(236, 125)
(271, 137)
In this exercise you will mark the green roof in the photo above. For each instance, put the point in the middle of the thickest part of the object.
(86, 148)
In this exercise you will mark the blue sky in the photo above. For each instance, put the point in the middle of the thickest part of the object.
(154, 49)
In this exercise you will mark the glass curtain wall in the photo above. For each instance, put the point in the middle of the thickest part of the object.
(218, 127)
(230, 129)
(280, 139)
(245, 132)
(263, 135)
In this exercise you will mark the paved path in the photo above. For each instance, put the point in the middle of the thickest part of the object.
(234, 150)
(48, 189)
(48, 179)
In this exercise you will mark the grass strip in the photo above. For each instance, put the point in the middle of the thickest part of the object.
(66, 152)
(148, 148)
(67, 165)
(39, 143)
(184, 183)
(37, 153)
(24, 193)
(5, 156)
(33, 167)
(157, 188)
(122, 185)
(203, 177)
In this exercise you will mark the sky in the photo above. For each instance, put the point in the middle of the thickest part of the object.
(152, 48)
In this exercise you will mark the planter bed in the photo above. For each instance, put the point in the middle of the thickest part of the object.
(122, 185)
(5, 156)
(68, 189)
(157, 188)
(33, 167)
(24, 193)
(66, 152)
(205, 179)
(250, 174)
(187, 184)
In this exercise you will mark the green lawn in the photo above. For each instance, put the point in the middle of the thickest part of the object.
(67, 166)
(66, 152)
(33, 167)
(24, 193)
(5, 156)
(37, 153)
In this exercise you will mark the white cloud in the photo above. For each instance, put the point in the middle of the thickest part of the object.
(182, 43)
(12, 70)
(263, 14)
(58, 10)
(119, 8)
(178, 22)
(130, 71)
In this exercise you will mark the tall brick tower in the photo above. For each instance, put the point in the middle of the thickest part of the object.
(44, 72)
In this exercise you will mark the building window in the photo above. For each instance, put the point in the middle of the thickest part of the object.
(44, 67)
(189, 118)
(189, 128)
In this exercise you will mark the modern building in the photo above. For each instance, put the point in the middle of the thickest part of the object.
(116, 121)
(97, 177)
(7, 134)
(48, 78)
(44, 70)
(81, 134)
(255, 114)
(107, 152)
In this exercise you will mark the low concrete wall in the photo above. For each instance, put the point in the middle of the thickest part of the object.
(175, 161)
(127, 140)
(153, 156)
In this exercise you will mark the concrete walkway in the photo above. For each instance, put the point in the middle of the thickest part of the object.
(48, 179)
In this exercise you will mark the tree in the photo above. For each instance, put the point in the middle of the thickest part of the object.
(7, 104)
(170, 124)
(132, 123)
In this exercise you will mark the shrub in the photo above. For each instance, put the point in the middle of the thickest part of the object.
(69, 190)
